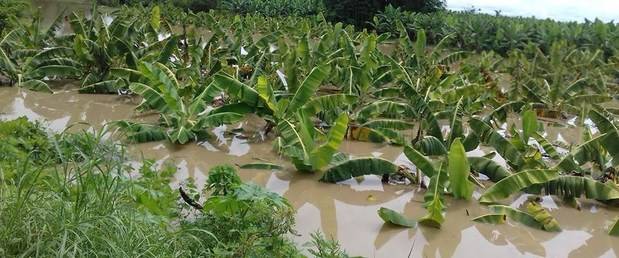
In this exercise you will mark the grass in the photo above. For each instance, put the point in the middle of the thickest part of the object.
(74, 195)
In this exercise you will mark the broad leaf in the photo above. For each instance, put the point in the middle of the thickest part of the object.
(262, 165)
(489, 167)
(459, 170)
(517, 182)
(434, 201)
(395, 218)
(358, 167)
(321, 156)
(308, 88)
(576, 187)
(420, 161)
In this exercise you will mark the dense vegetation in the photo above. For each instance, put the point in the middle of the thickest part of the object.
(75, 194)
(316, 84)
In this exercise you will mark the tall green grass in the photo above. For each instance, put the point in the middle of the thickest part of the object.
(76, 195)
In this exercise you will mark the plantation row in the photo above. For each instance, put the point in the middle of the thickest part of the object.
(317, 83)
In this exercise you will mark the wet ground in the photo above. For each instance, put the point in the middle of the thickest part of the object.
(346, 211)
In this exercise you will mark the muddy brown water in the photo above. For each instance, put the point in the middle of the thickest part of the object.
(345, 211)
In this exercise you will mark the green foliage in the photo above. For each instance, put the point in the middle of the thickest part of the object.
(501, 34)
(246, 219)
(222, 180)
(22, 139)
(89, 198)
(326, 247)
(87, 202)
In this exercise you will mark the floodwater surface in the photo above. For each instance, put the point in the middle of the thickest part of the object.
(345, 211)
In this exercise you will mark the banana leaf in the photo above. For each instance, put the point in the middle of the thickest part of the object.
(321, 156)
(358, 167)
(541, 215)
(36, 85)
(604, 124)
(328, 103)
(431, 146)
(491, 219)
(261, 165)
(576, 187)
(489, 167)
(139, 133)
(308, 88)
(395, 218)
(614, 229)
(505, 148)
(459, 171)
(520, 216)
(420, 161)
(516, 182)
(433, 201)
(529, 125)
(456, 123)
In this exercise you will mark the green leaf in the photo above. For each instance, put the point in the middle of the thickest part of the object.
(308, 88)
(420, 161)
(358, 167)
(431, 146)
(456, 123)
(614, 230)
(434, 201)
(395, 218)
(603, 123)
(548, 148)
(321, 156)
(140, 133)
(262, 165)
(155, 18)
(517, 215)
(214, 120)
(489, 167)
(517, 182)
(529, 125)
(576, 187)
(36, 85)
(328, 103)
(459, 171)
(488, 136)
(266, 93)
(542, 216)
(246, 94)
(492, 219)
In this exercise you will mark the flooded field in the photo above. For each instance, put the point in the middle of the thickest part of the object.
(346, 211)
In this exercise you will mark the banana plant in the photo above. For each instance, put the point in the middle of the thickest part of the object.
(30, 55)
(182, 119)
